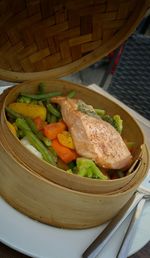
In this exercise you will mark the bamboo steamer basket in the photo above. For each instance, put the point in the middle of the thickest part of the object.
(50, 39)
(57, 175)
(50, 200)
(56, 205)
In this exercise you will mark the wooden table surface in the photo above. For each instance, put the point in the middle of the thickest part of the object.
(6, 252)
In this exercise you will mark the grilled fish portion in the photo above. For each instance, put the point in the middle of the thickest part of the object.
(94, 138)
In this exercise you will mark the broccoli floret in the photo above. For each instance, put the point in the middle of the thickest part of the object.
(115, 121)
(108, 119)
(87, 168)
(69, 171)
(118, 123)
(100, 112)
(23, 99)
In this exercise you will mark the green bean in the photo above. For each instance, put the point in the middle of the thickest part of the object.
(31, 124)
(53, 110)
(20, 134)
(53, 119)
(46, 141)
(48, 118)
(22, 125)
(40, 147)
(53, 153)
(71, 94)
(33, 128)
(41, 96)
(34, 141)
(12, 113)
(42, 88)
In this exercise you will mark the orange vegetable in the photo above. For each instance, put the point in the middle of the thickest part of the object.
(12, 128)
(65, 139)
(31, 110)
(39, 123)
(51, 130)
(64, 153)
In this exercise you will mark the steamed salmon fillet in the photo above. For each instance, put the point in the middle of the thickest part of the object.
(94, 138)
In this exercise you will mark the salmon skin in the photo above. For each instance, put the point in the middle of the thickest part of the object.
(94, 138)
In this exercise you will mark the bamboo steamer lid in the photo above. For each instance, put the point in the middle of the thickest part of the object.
(40, 39)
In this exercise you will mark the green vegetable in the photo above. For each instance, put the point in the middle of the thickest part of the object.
(34, 102)
(20, 134)
(53, 119)
(39, 134)
(23, 99)
(100, 112)
(41, 96)
(32, 138)
(22, 125)
(87, 168)
(40, 102)
(14, 115)
(48, 117)
(53, 110)
(118, 123)
(108, 119)
(72, 165)
(42, 88)
(69, 171)
(53, 153)
(87, 109)
(71, 94)
(115, 121)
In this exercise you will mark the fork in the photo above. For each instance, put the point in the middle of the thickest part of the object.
(128, 238)
(98, 244)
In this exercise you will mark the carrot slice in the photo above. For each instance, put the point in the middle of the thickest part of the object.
(39, 123)
(64, 153)
(51, 130)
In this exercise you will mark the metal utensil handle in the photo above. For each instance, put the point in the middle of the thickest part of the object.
(128, 239)
(97, 245)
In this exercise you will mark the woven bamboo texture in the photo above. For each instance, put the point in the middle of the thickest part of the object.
(48, 38)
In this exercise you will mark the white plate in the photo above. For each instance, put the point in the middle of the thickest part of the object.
(42, 241)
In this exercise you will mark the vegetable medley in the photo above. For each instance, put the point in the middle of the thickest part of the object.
(38, 123)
